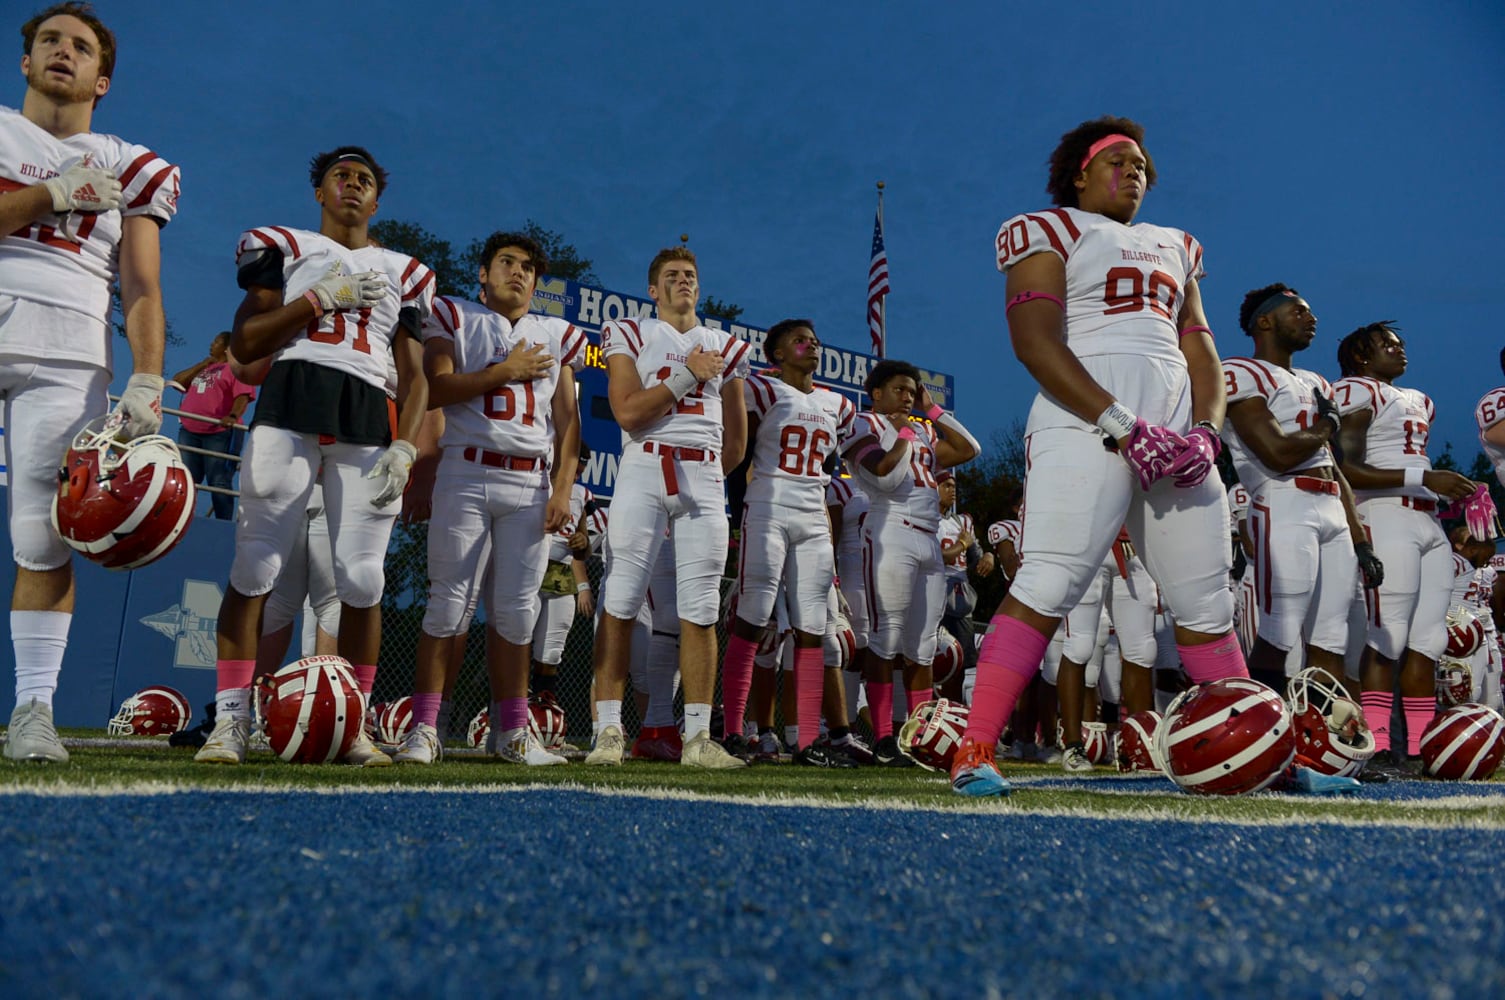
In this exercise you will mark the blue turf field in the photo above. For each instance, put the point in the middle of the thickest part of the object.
(558, 892)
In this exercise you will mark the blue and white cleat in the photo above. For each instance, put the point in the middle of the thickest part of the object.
(1316, 783)
(973, 772)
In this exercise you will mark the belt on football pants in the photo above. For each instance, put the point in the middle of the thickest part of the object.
(1311, 484)
(496, 460)
(918, 527)
(669, 454)
(1417, 503)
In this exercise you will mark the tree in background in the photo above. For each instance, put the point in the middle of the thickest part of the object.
(728, 311)
(564, 259)
(986, 488)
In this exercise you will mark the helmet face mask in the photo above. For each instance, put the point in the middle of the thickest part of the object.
(933, 733)
(1331, 735)
(153, 711)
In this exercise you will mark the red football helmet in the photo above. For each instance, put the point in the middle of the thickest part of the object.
(153, 711)
(479, 729)
(1227, 737)
(1465, 633)
(315, 710)
(1455, 681)
(933, 732)
(394, 721)
(948, 657)
(1331, 735)
(1464, 743)
(1095, 742)
(1136, 743)
(840, 642)
(546, 720)
(122, 505)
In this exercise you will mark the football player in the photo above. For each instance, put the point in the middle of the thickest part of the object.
(506, 380)
(334, 320)
(847, 506)
(896, 461)
(961, 554)
(793, 428)
(1107, 317)
(676, 389)
(1384, 443)
(566, 587)
(79, 211)
(1489, 414)
(1308, 542)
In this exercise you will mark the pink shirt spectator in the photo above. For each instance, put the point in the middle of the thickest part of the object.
(211, 395)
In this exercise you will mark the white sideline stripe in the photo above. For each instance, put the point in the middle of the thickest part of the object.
(962, 806)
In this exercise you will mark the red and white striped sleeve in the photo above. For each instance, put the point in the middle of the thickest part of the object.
(622, 336)
(846, 419)
(737, 353)
(1051, 231)
(1194, 268)
(759, 395)
(417, 287)
(257, 241)
(1356, 393)
(1491, 409)
(443, 319)
(148, 184)
(572, 344)
(867, 426)
(838, 492)
(1245, 378)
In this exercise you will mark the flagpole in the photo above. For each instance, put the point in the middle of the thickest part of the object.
(882, 305)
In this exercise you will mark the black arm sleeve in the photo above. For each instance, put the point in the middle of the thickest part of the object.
(261, 270)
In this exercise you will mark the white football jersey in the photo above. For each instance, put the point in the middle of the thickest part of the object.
(950, 532)
(1289, 394)
(1482, 595)
(1005, 531)
(656, 349)
(1397, 437)
(848, 495)
(797, 432)
(1238, 507)
(1125, 284)
(916, 497)
(1464, 583)
(70, 261)
(355, 341)
(517, 418)
(559, 540)
(1490, 411)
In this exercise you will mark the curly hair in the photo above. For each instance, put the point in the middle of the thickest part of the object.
(1358, 347)
(528, 245)
(1255, 299)
(322, 163)
(886, 371)
(780, 330)
(1066, 161)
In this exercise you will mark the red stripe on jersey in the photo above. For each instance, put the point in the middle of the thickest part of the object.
(137, 165)
(632, 336)
(1050, 234)
(418, 289)
(735, 358)
(407, 272)
(291, 243)
(145, 197)
(1257, 373)
(449, 316)
(762, 395)
(573, 342)
(1431, 409)
(263, 237)
(843, 491)
(1065, 217)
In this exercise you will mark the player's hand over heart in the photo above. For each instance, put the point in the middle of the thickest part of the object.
(338, 291)
(1196, 458)
(392, 470)
(1150, 450)
(1328, 410)
(525, 364)
(84, 189)
(704, 365)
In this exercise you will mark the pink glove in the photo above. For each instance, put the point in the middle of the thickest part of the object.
(1150, 450)
(1479, 515)
(1196, 460)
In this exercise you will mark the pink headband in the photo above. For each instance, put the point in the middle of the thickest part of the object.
(1104, 143)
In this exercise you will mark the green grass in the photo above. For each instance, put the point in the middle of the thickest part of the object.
(126, 764)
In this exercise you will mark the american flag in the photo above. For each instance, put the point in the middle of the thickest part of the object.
(877, 287)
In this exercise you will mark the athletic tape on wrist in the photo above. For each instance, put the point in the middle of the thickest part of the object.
(1117, 421)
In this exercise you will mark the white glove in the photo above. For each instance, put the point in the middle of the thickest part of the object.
(139, 411)
(395, 464)
(338, 290)
(84, 189)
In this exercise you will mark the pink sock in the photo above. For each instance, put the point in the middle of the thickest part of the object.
(1419, 712)
(232, 675)
(880, 704)
(509, 713)
(736, 681)
(1377, 707)
(1212, 661)
(426, 709)
(1008, 660)
(365, 676)
(809, 686)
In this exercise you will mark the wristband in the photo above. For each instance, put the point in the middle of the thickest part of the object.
(1208, 425)
(1117, 421)
(1413, 477)
(906, 434)
(582, 588)
(313, 300)
(681, 382)
(1193, 329)
(935, 411)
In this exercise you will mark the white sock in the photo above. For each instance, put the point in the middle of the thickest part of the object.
(39, 638)
(663, 679)
(233, 702)
(595, 729)
(610, 714)
(697, 721)
(791, 736)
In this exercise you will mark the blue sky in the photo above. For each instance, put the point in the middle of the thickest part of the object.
(1353, 150)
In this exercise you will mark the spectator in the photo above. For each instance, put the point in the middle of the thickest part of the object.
(217, 400)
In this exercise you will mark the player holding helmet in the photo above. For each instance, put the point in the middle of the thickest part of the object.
(81, 211)
(334, 317)
(1108, 318)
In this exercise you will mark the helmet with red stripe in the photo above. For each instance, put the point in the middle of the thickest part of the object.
(1095, 742)
(933, 732)
(1455, 681)
(153, 711)
(1464, 743)
(1331, 734)
(546, 720)
(479, 729)
(1136, 749)
(122, 505)
(840, 642)
(1227, 737)
(314, 712)
(948, 657)
(1465, 632)
(395, 720)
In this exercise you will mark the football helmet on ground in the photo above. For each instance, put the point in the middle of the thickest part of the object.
(933, 732)
(1136, 749)
(1464, 743)
(1465, 632)
(1227, 737)
(153, 711)
(314, 712)
(1331, 735)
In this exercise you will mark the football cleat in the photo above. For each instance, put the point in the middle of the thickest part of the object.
(31, 736)
(704, 752)
(658, 743)
(610, 745)
(973, 772)
(228, 743)
(1074, 760)
(888, 753)
(816, 755)
(420, 746)
(521, 746)
(364, 753)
